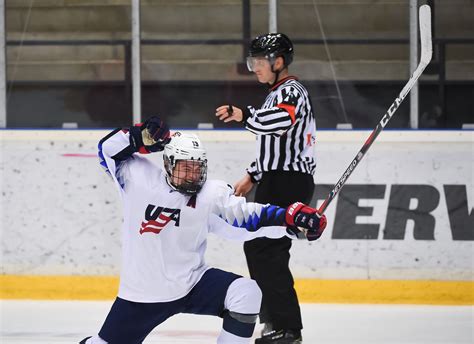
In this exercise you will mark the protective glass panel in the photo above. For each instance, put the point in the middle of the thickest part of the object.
(354, 57)
(66, 64)
(193, 60)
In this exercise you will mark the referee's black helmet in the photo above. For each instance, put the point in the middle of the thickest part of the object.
(271, 46)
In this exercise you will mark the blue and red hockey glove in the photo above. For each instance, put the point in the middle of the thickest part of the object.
(304, 221)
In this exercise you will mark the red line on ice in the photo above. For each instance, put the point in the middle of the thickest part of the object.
(79, 155)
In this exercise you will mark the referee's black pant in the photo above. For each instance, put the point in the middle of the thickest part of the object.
(268, 259)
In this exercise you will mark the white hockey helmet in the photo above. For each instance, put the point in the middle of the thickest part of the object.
(187, 148)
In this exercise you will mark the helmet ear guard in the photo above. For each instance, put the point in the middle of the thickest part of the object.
(168, 162)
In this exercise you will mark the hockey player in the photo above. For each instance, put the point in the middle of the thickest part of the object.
(167, 217)
(285, 130)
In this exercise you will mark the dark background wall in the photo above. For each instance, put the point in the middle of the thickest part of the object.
(185, 105)
(69, 61)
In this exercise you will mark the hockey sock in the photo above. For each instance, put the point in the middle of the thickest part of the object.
(229, 338)
(242, 303)
(95, 340)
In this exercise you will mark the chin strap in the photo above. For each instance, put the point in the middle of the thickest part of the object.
(277, 74)
(168, 181)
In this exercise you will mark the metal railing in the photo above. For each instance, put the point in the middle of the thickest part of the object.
(437, 66)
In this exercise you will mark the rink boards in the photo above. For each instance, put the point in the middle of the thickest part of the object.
(400, 231)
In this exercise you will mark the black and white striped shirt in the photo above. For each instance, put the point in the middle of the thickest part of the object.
(285, 127)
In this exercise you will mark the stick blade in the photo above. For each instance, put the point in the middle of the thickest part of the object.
(425, 34)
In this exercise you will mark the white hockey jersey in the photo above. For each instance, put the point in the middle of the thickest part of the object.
(164, 232)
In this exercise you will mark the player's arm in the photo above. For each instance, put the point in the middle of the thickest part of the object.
(251, 220)
(120, 144)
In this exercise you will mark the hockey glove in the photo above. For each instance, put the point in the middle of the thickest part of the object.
(305, 221)
(149, 136)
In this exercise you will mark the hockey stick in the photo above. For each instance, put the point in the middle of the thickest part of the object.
(426, 52)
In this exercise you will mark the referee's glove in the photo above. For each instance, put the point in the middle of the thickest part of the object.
(304, 221)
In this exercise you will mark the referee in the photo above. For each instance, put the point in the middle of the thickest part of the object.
(283, 171)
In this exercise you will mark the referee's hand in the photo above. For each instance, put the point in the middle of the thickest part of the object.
(229, 113)
(243, 186)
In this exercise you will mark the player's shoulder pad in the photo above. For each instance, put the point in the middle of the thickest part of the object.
(144, 169)
(219, 188)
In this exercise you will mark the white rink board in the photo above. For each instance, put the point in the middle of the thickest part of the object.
(60, 212)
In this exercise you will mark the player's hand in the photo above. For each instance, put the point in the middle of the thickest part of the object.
(156, 134)
(307, 220)
(229, 113)
(243, 186)
(153, 135)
